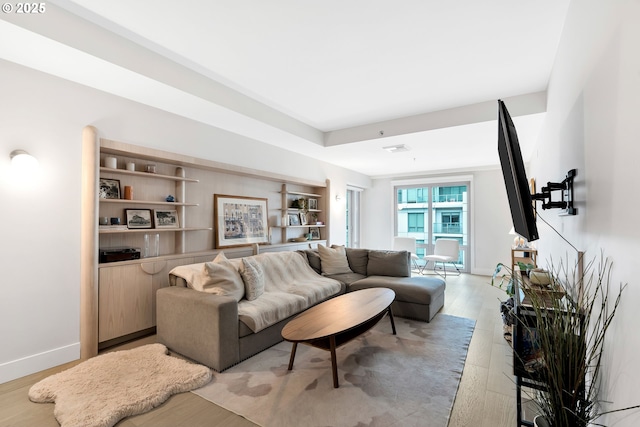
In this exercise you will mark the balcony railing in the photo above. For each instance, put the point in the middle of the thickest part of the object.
(448, 198)
(447, 227)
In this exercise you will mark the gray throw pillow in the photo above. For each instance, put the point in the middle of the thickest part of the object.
(253, 277)
(388, 263)
(358, 260)
(334, 260)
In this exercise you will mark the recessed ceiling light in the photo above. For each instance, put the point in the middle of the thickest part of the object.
(396, 148)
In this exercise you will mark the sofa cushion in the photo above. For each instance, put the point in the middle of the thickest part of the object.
(347, 278)
(334, 260)
(217, 277)
(269, 308)
(290, 287)
(253, 277)
(388, 263)
(358, 260)
(419, 290)
(313, 258)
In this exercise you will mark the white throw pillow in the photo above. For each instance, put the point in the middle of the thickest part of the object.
(253, 277)
(333, 260)
(220, 277)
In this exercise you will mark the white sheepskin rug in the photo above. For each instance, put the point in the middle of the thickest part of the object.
(101, 391)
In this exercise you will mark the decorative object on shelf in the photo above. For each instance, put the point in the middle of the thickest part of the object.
(103, 220)
(170, 198)
(313, 204)
(303, 218)
(139, 218)
(293, 219)
(109, 188)
(115, 221)
(315, 233)
(131, 167)
(128, 192)
(518, 240)
(240, 221)
(300, 203)
(151, 168)
(166, 218)
(151, 245)
(111, 162)
(299, 239)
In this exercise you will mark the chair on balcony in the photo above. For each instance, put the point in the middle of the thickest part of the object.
(407, 244)
(446, 251)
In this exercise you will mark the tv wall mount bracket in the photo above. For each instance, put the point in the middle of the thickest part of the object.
(566, 198)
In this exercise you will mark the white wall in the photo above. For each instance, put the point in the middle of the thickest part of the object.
(40, 246)
(490, 218)
(593, 125)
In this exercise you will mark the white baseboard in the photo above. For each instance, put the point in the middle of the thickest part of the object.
(482, 271)
(19, 368)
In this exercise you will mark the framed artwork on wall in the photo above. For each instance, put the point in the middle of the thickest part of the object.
(109, 188)
(315, 233)
(239, 221)
(294, 219)
(166, 218)
(139, 218)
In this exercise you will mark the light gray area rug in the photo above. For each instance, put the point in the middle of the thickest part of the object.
(410, 379)
(101, 391)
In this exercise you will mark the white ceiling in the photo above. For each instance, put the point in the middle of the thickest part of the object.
(336, 80)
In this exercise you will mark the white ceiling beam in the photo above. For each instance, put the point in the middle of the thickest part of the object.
(522, 105)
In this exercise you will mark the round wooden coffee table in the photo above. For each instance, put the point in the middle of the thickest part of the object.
(339, 320)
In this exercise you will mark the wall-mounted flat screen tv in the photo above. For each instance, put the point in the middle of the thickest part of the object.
(515, 177)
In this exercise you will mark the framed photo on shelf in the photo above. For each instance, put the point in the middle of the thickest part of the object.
(139, 218)
(303, 218)
(294, 219)
(109, 188)
(315, 233)
(164, 218)
(313, 204)
(239, 221)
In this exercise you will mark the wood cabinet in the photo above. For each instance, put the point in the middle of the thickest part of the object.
(126, 290)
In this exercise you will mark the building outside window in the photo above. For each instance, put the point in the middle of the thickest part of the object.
(430, 212)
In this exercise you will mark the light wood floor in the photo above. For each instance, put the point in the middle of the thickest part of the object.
(486, 397)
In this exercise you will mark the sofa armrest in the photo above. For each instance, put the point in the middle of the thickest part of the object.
(200, 326)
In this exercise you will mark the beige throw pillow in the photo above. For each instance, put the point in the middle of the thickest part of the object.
(253, 277)
(334, 260)
(220, 277)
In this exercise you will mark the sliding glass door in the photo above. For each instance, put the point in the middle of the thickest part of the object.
(433, 211)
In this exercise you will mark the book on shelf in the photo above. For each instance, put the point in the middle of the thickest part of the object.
(113, 227)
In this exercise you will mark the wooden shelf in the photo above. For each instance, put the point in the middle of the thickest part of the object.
(298, 226)
(147, 174)
(146, 202)
(298, 193)
(152, 230)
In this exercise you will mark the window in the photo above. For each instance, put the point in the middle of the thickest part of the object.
(416, 222)
(432, 211)
(353, 217)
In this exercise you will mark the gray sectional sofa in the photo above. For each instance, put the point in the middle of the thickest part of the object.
(219, 328)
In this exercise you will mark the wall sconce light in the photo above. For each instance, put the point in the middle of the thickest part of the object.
(23, 161)
(338, 197)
